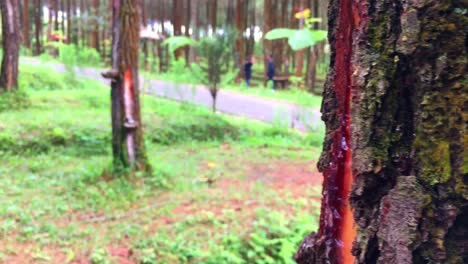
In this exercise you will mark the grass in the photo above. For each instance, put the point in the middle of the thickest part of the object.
(224, 189)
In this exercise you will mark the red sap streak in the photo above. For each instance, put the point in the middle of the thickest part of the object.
(128, 94)
(128, 109)
(337, 227)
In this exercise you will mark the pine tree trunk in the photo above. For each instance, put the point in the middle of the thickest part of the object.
(144, 22)
(194, 24)
(69, 18)
(26, 40)
(240, 43)
(394, 105)
(177, 22)
(50, 20)
(95, 26)
(10, 45)
(38, 25)
(300, 53)
(213, 14)
(267, 26)
(56, 20)
(62, 22)
(127, 134)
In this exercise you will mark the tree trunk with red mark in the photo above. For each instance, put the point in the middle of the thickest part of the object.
(127, 134)
(10, 45)
(394, 103)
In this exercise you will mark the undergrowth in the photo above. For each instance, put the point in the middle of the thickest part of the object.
(53, 158)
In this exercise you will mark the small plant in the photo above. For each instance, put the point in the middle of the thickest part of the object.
(215, 51)
(100, 256)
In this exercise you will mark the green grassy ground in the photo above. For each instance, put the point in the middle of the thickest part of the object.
(224, 189)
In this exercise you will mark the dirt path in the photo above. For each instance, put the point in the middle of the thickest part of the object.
(229, 102)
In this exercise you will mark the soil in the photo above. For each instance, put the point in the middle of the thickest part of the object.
(288, 181)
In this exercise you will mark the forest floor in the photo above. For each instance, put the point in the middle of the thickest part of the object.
(223, 190)
(296, 109)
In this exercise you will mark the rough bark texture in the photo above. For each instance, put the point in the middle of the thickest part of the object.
(405, 73)
(127, 137)
(10, 45)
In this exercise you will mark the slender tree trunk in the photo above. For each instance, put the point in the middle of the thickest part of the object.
(267, 50)
(394, 107)
(193, 23)
(300, 53)
(26, 39)
(50, 21)
(178, 17)
(95, 31)
(38, 25)
(127, 134)
(251, 25)
(69, 24)
(240, 43)
(62, 21)
(188, 6)
(56, 17)
(82, 24)
(213, 14)
(230, 13)
(144, 20)
(10, 45)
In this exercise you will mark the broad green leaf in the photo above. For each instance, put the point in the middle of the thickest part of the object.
(319, 35)
(178, 42)
(279, 33)
(305, 38)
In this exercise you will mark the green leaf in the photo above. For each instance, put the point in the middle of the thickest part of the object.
(319, 35)
(279, 33)
(178, 42)
(305, 38)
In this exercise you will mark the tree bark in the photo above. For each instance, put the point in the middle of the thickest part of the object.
(394, 105)
(267, 26)
(144, 22)
(95, 26)
(127, 134)
(213, 14)
(26, 40)
(177, 21)
(69, 18)
(194, 24)
(10, 45)
(56, 21)
(300, 53)
(240, 40)
(38, 25)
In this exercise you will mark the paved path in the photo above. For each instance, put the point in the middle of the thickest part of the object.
(262, 109)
